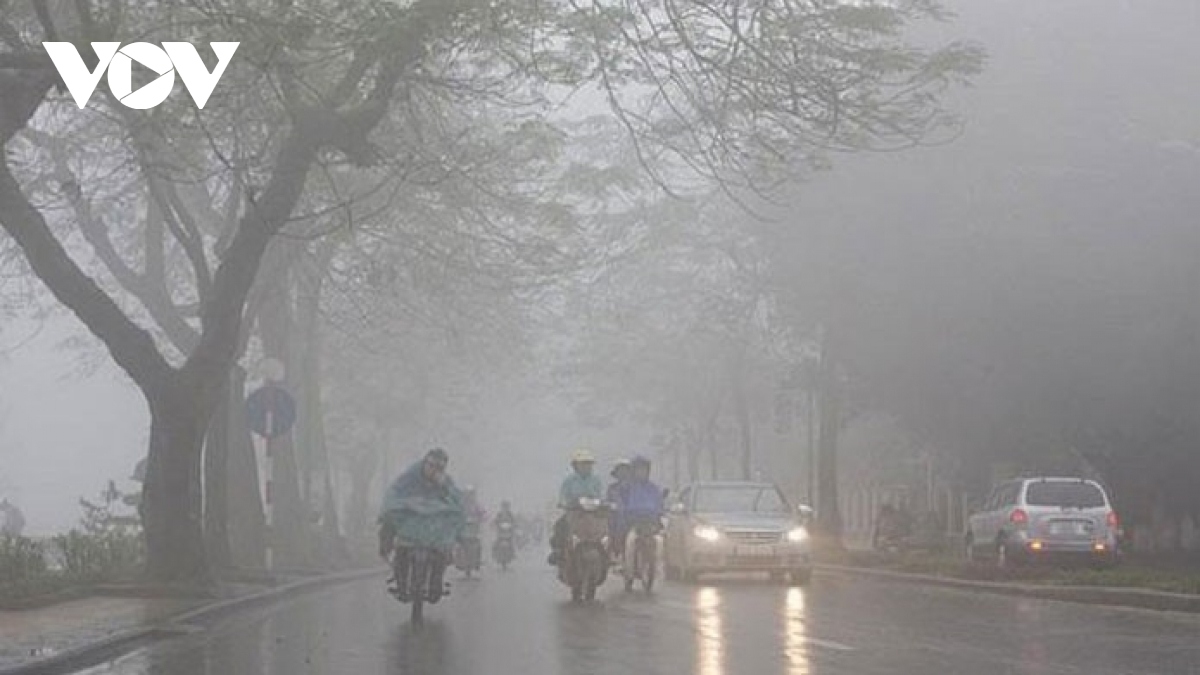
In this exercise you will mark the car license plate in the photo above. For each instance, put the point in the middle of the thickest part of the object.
(755, 551)
(1068, 529)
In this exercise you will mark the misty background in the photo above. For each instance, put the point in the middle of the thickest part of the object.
(1008, 295)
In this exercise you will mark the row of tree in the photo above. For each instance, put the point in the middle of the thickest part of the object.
(392, 145)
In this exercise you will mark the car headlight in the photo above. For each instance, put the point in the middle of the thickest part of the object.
(797, 535)
(707, 533)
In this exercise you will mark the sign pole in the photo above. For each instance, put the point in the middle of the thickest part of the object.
(269, 497)
(271, 413)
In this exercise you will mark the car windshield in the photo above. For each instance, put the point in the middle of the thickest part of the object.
(1068, 495)
(740, 499)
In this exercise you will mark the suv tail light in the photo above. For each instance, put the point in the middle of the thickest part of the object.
(1019, 518)
(1114, 523)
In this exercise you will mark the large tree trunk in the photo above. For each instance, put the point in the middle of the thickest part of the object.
(172, 503)
(362, 473)
(216, 486)
(233, 515)
(694, 447)
(829, 519)
(317, 482)
(745, 427)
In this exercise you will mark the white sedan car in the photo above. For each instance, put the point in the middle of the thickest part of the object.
(736, 527)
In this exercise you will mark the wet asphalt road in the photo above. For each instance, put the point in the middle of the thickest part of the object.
(521, 622)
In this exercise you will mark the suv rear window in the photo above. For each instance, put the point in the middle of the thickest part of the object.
(1059, 493)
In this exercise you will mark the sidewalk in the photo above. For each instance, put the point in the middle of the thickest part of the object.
(80, 630)
(35, 634)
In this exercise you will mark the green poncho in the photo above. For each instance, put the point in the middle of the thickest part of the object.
(424, 513)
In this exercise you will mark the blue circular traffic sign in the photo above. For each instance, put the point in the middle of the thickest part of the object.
(271, 411)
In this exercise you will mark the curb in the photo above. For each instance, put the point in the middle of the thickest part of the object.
(124, 642)
(1136, 598)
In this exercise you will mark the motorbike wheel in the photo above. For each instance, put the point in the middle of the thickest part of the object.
(647, 561)
(418, 580)
(576, 592)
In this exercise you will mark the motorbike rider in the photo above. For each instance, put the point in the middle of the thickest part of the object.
(428, 482)
(640, 501)
(505, 515)
(621, 473)
(475, 513)
(581, 483)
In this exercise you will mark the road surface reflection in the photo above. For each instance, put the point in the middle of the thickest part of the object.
(710, 647)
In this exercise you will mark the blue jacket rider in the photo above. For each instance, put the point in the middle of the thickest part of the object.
(638, 500)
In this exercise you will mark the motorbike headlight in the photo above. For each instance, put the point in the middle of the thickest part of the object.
(797, 535)
(707, 533)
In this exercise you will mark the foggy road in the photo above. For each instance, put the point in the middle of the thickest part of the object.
(521, 622)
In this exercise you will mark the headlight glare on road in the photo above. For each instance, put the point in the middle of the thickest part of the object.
(707, 533)
(797, 535)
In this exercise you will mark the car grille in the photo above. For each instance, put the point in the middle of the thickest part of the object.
(754, 537)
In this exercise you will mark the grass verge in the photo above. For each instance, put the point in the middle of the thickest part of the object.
(1174, 576)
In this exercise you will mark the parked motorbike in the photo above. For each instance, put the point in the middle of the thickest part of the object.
(504, 549)
(584, 565)
(641, 555)
(468, 553)
(418, 577)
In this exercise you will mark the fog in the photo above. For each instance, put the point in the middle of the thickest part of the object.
(1017, 294)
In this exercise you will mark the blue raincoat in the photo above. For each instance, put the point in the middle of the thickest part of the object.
(424, 513)
(637, 500)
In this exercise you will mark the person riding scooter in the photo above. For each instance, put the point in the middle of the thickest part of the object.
(640, 501)
(621, 473)
(504, 547)
(580, 483)
(422, 506)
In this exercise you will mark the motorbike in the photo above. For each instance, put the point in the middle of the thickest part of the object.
(521, 537)
(584, 565)
(417, 577)
(503, 550)
(641, 554)
(468, 552)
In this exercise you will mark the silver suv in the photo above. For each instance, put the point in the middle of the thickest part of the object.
(1034, 519)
